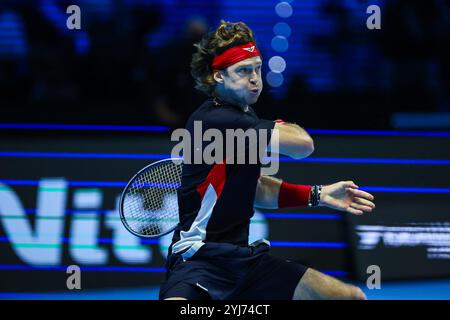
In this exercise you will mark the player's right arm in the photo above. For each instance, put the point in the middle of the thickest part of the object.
(294, 141)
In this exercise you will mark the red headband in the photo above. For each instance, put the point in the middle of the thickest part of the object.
(234, 55)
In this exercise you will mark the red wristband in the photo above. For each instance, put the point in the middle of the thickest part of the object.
(293, 195)
(280, 121)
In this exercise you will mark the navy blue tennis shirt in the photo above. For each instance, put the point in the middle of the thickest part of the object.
(216, 200)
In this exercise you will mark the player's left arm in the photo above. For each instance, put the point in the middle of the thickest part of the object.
(273, 193)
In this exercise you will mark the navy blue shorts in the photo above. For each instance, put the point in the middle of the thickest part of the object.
(220, 271)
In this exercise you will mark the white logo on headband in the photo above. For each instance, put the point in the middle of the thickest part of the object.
(250, 49)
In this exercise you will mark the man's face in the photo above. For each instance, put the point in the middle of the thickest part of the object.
(242, 81)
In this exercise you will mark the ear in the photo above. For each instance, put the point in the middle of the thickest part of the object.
(218, 77)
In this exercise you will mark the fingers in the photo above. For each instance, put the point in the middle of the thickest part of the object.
(354, 211)
(361, 194)
(364, 202)
(350, 184)
(361, 207)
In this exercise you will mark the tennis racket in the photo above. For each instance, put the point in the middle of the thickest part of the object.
(148, 205)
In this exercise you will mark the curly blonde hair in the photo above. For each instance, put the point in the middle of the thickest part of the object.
(227, 35)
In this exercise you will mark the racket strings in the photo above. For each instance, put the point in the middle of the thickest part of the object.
(150, 203)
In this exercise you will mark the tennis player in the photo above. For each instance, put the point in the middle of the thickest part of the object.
(209, 257)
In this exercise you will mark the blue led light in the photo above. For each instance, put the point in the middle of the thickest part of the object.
(26, 126)
(283, 9)
(113, 184)
(380, 133)
(308, 244)
(268, 215)
(274, 79)
(280, 44)
(85, 268)
(309, 216)
(122, 184)
(156, 156)
(407, 190)
(277, 64)
(282, 29)
(84, 155)
(40, 126)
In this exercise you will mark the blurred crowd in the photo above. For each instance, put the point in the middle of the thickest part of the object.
(112, 71)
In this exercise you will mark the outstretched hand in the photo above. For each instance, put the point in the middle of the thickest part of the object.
(345, 196)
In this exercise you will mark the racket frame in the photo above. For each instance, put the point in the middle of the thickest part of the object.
(122, 199)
